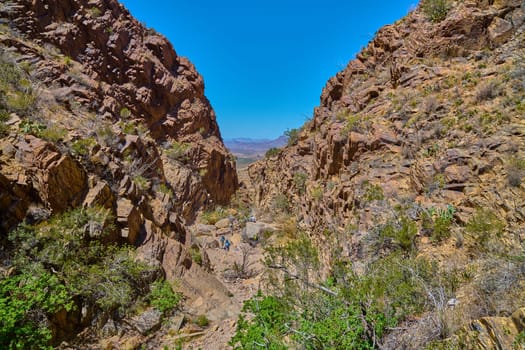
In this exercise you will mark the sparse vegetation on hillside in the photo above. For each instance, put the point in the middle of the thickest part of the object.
(436, 10)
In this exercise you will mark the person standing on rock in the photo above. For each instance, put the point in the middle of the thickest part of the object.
(227, 245)
(222, 241)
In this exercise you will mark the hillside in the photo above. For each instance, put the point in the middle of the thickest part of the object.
(393, 219)
(415, 152)
(108, 150)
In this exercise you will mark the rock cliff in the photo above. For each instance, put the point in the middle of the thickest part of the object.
(129, 117)
(97, 111)
(425, 124)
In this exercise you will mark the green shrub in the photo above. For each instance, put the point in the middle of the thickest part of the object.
(125, 113)
(299, 180)
(484, 226)
(202, 321)
(142, 183)
(53, 133)
(402, 232)
(438, 222)
(348, 311)
(178, 151)
(519, 342)
(66, 260)
(82, 147)
(163, 297)
(435, 10)
(25, 301)
(272, 152)
(293, 136)
(373, 192)
(212, 216)
(280, 203)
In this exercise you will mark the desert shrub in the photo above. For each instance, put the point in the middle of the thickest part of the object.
(487, 91)
(162, 296)
(435, 10)
(293, 136)
(347, 311)
(515, 171)
(62, 260)
(82, 146)
(53, 133)
(438, 222)
(25, 301)
(178, 151)
(272, 152)
(280, 203)
(484, 226)
(210, 217)
(196, 255)
(143, 184)
(317, 193)
(401, 232)
(372, 192)
(299, 180)
(125, 113)
(519, 341)
(202, 321)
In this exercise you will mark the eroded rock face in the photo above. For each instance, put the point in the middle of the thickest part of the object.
(127, 127)
(102, 62)
(410, 118)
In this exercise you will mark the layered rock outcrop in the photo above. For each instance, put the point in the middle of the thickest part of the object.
(425, 124)
(106, 78)
(99, 111)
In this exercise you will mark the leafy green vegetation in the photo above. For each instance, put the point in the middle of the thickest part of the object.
(272, 152)
(62, 264)
(484, 226)
(293, 136)
(438, 222)
(348, 311)
(163, 297)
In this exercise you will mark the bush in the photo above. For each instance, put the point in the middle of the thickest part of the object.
(202, 321)
(280, 203)
(62, 260)
(211, 217)
(163, 297)
(435, 10)
(178, 151)
(515, 171)
(83, 146)
(484, 226)
(402, 232)
(25, 301)
(293, 136)
(272, 152)
(348, 311)
(487, 91)
(299, 180)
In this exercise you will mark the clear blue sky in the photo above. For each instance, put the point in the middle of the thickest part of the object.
(265, 63)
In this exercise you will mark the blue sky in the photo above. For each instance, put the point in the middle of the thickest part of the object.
(265, 63)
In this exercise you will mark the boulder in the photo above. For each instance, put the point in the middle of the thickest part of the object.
(148, 321)
(499, 30)
(222, 223)
(253, 230)
(129, 220)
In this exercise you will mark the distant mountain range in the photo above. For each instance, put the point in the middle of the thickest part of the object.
(253, 148)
